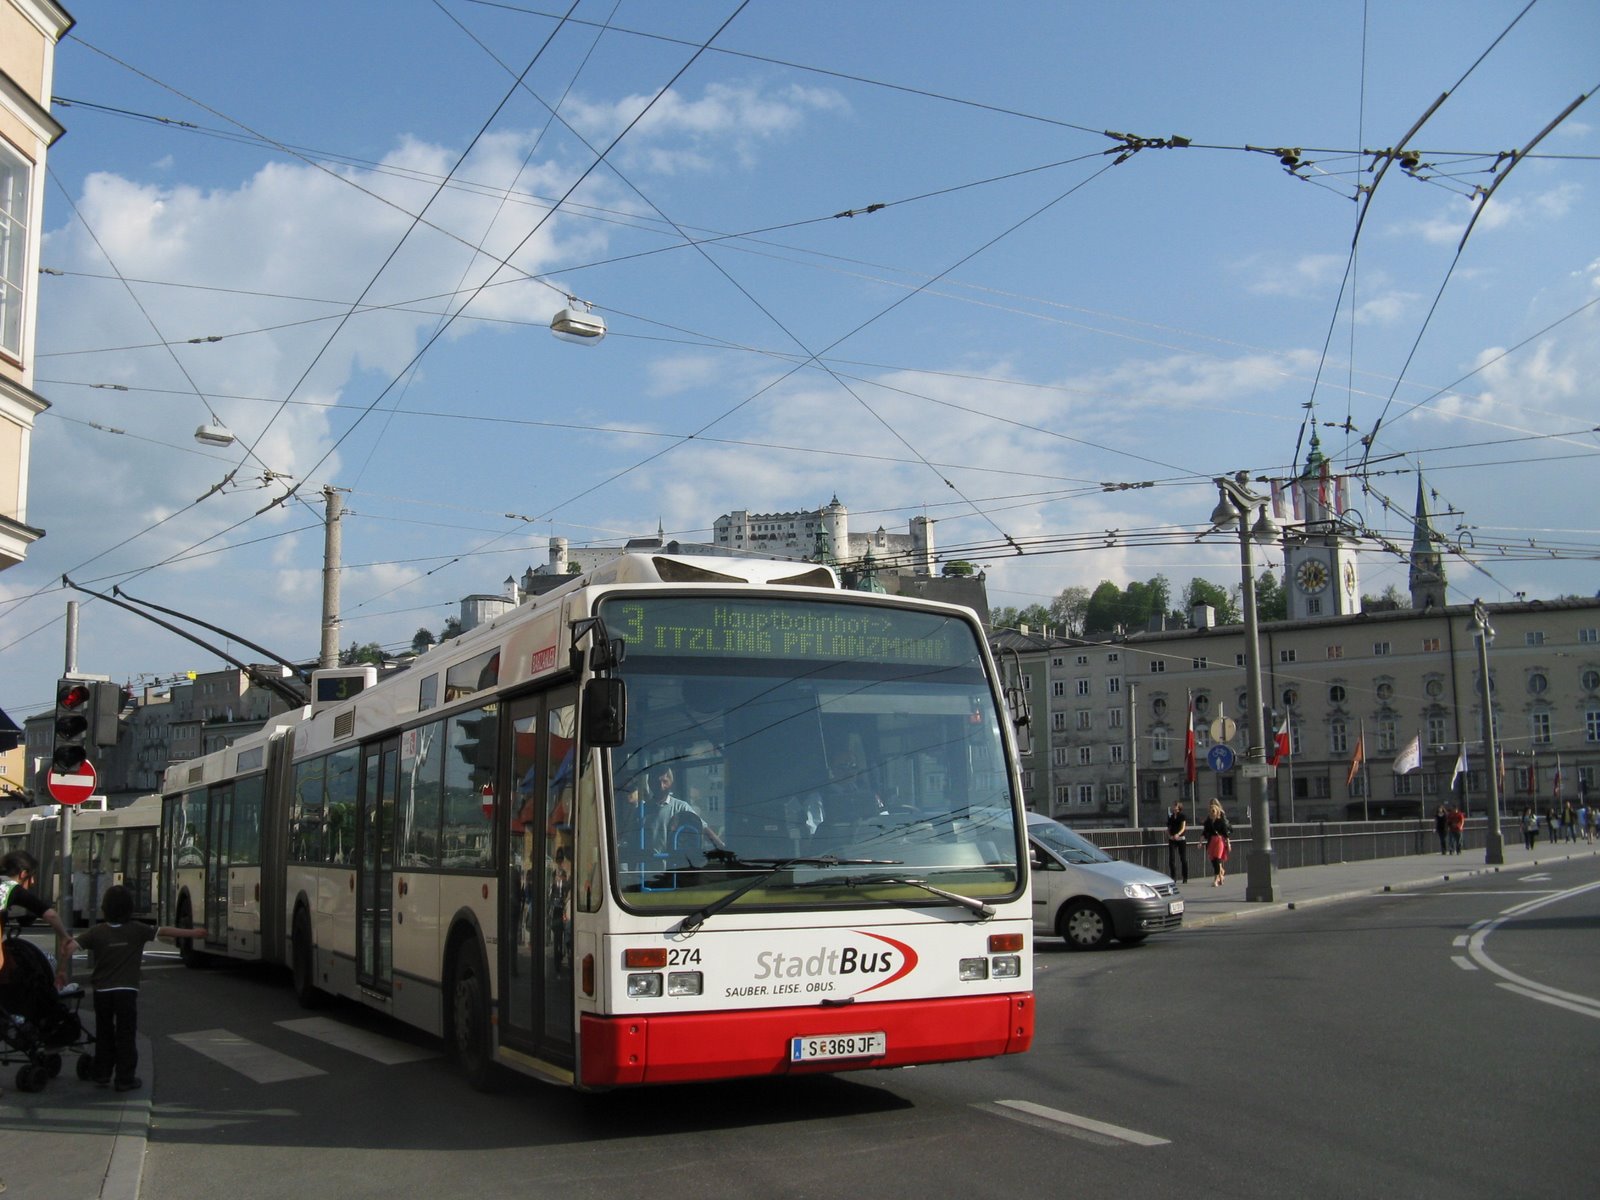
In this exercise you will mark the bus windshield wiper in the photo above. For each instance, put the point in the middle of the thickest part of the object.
(971, 903)
(768, 867)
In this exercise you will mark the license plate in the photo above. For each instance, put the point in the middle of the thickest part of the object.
(838, 1045)
(1174, 908)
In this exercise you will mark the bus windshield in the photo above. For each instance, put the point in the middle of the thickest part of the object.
(806, 754)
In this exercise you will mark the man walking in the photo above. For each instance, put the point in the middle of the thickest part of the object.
(1177, 843)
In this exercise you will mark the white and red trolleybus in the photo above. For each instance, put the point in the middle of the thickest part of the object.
(679, 819)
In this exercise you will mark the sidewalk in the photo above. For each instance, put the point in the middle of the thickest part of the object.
(1206, 905)
(73, 1141)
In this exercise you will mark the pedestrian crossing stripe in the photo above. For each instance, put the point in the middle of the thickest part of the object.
(262, 1064)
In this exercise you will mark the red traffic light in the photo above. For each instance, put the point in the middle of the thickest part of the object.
(73, 695)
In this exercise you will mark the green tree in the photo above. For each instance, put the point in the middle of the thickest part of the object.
(1203, 591)
(1035, 617)
(1272, 600)
(421, 640)
(1388, 600)
(959, 567)
(1104, 611)
(357, 653)
(1067, 610)
(452, 628)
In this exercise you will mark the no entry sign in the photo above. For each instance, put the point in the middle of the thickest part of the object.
(74, 788)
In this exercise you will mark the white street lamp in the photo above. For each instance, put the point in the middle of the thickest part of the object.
(1237, 503)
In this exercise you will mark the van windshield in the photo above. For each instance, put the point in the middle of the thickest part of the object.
(1067, 845)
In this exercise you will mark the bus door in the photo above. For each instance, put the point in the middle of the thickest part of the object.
(380, 766)
(218, 841)
(536, 1003)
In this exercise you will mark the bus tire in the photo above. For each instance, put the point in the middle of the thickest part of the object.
(469, 1017)
(188, 953)
(302, 963)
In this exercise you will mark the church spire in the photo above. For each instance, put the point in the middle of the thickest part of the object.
(1427, 564)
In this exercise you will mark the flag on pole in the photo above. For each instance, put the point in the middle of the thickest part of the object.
(1358, 757)
(1461, 766)
(1410, 756)
(1501, 770)
(1188, 747)
(1281, 738)
(1558, 779)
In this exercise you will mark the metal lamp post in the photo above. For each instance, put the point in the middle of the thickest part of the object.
(1494, 845)
(1239, 504)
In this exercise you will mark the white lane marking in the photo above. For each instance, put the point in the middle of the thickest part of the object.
(255, 1062)
(1542, 877)
(375, 1046)
(1589, 1008)
(1522, 986)
(1466, 964)
(1460, 941)
(1084, 1123)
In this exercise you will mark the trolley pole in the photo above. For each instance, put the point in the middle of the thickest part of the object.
(1494, 845)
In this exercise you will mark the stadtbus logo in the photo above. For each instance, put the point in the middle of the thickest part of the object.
(841, 965)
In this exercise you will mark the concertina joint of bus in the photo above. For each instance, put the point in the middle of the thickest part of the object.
(681, 818)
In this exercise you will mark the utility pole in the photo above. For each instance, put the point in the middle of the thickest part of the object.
(64, 822)
(331, 551)
(1494, 843)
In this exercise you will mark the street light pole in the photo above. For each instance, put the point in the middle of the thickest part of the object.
(1240, 503)
(1494, 845)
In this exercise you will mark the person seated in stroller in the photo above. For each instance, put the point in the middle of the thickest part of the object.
(19, 875)
(36, 1022)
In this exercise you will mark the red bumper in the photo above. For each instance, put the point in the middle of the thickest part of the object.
(623, 1051)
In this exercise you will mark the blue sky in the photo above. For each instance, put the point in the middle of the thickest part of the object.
(1024, 320)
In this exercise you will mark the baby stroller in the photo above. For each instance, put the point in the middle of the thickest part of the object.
(37, 1023)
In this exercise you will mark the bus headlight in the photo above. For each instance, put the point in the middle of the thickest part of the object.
(974, 968)
(644, 985)
(685, 983)
(1007, 966)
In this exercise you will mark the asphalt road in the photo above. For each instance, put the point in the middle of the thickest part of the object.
(1432, 1043)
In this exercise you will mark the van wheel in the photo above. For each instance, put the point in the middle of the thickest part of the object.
(302, 962)
(469, 1018)
(187, 951)
(1085, 925)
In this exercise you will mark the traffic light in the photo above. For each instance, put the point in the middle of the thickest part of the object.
(86, 715)
(74, 708)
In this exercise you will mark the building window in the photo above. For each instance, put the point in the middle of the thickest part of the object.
(1083, 660)
(1113, 718)
(1589, 635)
(1335, 651)
(1160, 749)
(1114, 752)
(1338, 738)
(1534, 637)
(15, 189)
(1085, 795)
(1537, 683)
(1027, 683)
(1591, 725)
(1591, 680)
(1116, 794)
(1540, 724)
(1157, 665)
(1085, 719)
(1058, 662)
(1238, 660)
(1385, 692)
(1058, 721)
(1358, 786)
(1313, 606)
(1199, 664)
(1287, 656)
(1058, 687)
(1114, 685)
(1436, 731)
(1027, 780)
(1430, 785)
(1434, 688)
(1058, 756)
(1430, 643)
(1085, 756)
(1336, 694)
(1158, 706)
(1402, 785)
(1386, 735)
(1083, 687)
(1113, 657)
(1380, 648)
(1063, 795)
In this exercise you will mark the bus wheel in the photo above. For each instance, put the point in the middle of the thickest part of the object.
(190, 955)
(469, 1017)
(302, 963)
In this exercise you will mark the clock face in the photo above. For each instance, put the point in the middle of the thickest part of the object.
(1350, 579)
(1312, 575)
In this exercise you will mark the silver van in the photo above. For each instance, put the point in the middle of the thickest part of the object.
(1084, 895)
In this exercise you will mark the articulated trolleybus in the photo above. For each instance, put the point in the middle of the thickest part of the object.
(679, 819)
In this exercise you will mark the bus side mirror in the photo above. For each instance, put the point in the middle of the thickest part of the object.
(605, 712)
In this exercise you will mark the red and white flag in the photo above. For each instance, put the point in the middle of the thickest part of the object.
(1189, 746)
(1357, 757)
(1281, 739)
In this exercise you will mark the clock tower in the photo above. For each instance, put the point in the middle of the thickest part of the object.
(1321, 574)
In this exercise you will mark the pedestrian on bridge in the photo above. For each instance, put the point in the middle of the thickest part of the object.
(1458, 826)
(1217, 831)
(1530, 827)
(1441, 826)
(1178, 843)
